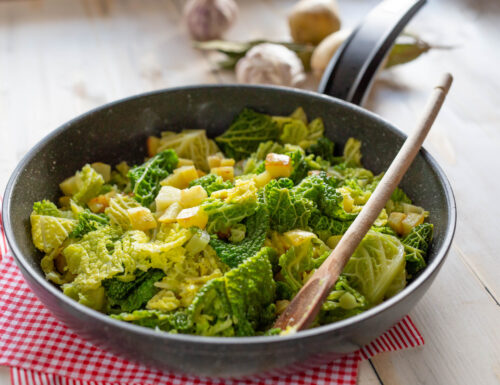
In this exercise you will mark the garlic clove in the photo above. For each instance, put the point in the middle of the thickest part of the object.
(209, 19)
(270, 64)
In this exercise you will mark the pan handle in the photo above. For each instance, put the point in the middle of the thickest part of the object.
(351, 71)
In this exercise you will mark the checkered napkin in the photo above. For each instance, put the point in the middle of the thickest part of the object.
(41, 350)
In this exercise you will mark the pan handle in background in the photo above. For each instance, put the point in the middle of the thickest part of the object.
(351, 71)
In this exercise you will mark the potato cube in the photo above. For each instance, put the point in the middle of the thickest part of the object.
(99, 203)
(174, 180)
(170, 214)
(201, 173)
(226, 172)
(141, 218)
(395, 221)
(71, 185)
(192, 196)
(262, 179)
(411, 220)
(194, 216)
(166, 197)
(152, 144)
(227, 162)
(278, 165)
(103, 169)
(214, 160)
(188, 173)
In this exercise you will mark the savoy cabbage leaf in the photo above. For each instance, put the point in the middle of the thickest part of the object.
(376, 263)
(145, 179)
(131, 295)
(87, 222)
(248, 130)
(416, 244)
(232, 254)
(211, 183)
(287, 211)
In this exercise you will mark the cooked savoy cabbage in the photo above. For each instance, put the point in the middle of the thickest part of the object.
(216, 237)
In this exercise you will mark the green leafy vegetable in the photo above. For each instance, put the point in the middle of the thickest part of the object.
(145, 179)
(211, 183)
(343, 302)
(416, 244)
(46, 207)
(232, 254)
(300, 260)
(248, 130)
(323, 148)
(222, 215)
(287, 211)
(189, 144)
(352, 152)
(91, 184)
(376, 263)
(251, 290)
(87, 222)
(132, 295)
(325, 227)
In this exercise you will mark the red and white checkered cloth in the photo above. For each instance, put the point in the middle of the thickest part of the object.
(41, 350)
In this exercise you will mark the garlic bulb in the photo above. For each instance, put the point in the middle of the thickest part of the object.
(323, 53)
(270, 64)
(209, 19)
(311, 21)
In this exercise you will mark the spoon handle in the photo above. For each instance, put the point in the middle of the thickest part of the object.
(305, 306)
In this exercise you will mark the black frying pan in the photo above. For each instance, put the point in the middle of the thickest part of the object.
(118, 131)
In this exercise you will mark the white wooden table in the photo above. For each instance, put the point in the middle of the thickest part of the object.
(59, 58)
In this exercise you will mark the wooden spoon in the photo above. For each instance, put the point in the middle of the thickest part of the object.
(305, 306)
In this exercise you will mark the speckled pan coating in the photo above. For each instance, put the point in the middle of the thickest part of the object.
(117, 131)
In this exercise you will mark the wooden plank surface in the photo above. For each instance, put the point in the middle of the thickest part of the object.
(59, 58)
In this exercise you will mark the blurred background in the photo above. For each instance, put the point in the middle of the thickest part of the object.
(60, 58)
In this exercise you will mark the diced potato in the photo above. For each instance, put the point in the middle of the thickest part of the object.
(278, 165)
(188, 173)
(214, 160)
(170, 214)
(297, 237)
(192, 196)
(200, 173)
(99, 203)
(71, 185)
(348, 203)
(122, 168)
(152, 144)
(181, 177)
(226, 172)
(411, 220)
(166, 197)
(141, 218)
(227, 162)
(194, 216)
(262, 179)
(395, 221)
(185, 162)
(174, 180)
(103, 169)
